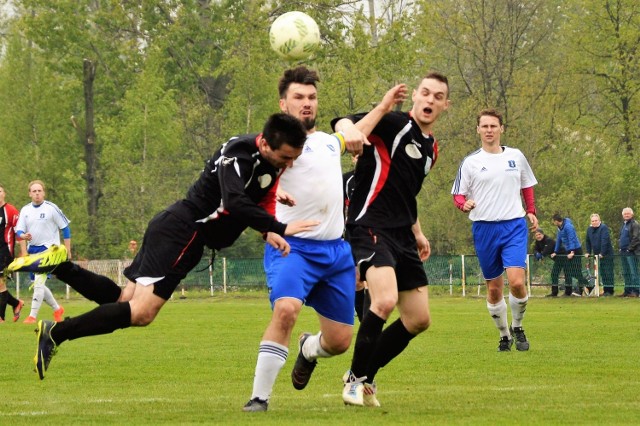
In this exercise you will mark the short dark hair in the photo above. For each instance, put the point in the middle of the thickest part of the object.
(491, 112)
(282, 129)
(301, 74)
(434, 75)
(557, 217)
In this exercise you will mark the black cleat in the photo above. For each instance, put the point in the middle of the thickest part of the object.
(46, 348)
(256, 404)
(302, 369)
(505, 344)
(522, 344)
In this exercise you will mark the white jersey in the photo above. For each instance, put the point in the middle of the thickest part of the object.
(494, 182)
(43, 222)
(315, 182)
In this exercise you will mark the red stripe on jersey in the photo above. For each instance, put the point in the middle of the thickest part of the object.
(435, 152)
(385, 165)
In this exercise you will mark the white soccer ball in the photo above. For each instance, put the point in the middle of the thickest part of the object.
(294, 35)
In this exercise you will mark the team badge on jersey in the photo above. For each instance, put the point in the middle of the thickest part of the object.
(413, 151)
(264, 181)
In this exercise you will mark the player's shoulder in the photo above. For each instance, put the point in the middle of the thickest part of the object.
(472, 156)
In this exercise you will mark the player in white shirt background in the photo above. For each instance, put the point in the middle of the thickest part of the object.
(488, 187)
(39, 225)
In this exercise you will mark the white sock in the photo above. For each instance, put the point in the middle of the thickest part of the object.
(51, 301)
(518, 308)
(312, 349)
(38, 294)
(498, 313)
(271, 359)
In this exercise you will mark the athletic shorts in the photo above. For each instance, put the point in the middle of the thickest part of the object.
(170, 249)
(34, 250)
(5, 257)
(500, 245)
(321, 274)
(395, 247)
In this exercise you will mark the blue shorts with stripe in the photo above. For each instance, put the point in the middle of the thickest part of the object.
(319, 273)
(500, 245)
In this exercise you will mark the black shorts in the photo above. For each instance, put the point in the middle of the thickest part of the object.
(170, 249)
(5, 257)
(395, 247)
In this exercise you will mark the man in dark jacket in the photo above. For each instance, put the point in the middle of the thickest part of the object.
(598, 243)
(630, 250)
(543, 247)
(568, 238)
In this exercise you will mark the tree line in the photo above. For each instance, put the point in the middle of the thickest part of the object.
(116, 104)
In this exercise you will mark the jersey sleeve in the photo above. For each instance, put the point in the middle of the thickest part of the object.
(234, 174)
(461, 183)
(527, 179)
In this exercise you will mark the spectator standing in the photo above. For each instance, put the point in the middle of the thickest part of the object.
(39, 226)
(598, 243)
(568, 238)
(630, 249)
(8, 220)
(543, 247)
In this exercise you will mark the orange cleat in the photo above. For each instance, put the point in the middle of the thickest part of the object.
(30, 320)
(57, 314)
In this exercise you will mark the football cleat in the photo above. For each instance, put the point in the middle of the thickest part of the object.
(369, 391)
(46, 347)
(505, 344)
(58, 313)
(256, 404)
(352, 393)
(38, 263)
(303, 368)
(522, 344)
(30, 320)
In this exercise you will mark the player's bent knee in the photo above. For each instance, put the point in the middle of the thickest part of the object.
(143, 317)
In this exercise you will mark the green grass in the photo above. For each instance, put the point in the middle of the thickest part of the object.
(195, 364)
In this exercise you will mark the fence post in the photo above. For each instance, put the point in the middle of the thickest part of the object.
(211, 277)
(224, 275)
(528, 277)
(464, 277)
(450, 277)
(596, 274)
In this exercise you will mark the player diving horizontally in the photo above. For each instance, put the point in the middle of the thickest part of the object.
(218, 207)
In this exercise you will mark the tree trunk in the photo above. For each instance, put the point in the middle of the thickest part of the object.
(90, 155)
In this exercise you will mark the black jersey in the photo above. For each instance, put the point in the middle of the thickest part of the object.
(390, 172)
(231, 194)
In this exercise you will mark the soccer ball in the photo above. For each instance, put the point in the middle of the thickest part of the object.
(294, 35)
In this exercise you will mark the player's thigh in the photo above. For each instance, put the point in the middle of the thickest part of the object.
(145, 304)
(383, 286)
(414, 309)
(337, 336)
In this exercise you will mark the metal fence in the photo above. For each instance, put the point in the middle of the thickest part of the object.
(456, 275)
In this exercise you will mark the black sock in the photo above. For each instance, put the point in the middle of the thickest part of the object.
(359, 304)
(12, 301)
(3, 303)
(104, 319)
(393, 340)
(370, 329)
(94, 287)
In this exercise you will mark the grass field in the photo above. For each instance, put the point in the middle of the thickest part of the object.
(195, 364)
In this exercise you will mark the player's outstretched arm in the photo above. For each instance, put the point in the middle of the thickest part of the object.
(394, 96)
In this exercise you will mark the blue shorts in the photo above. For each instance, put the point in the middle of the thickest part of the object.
(319, 273)
(500, 245)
